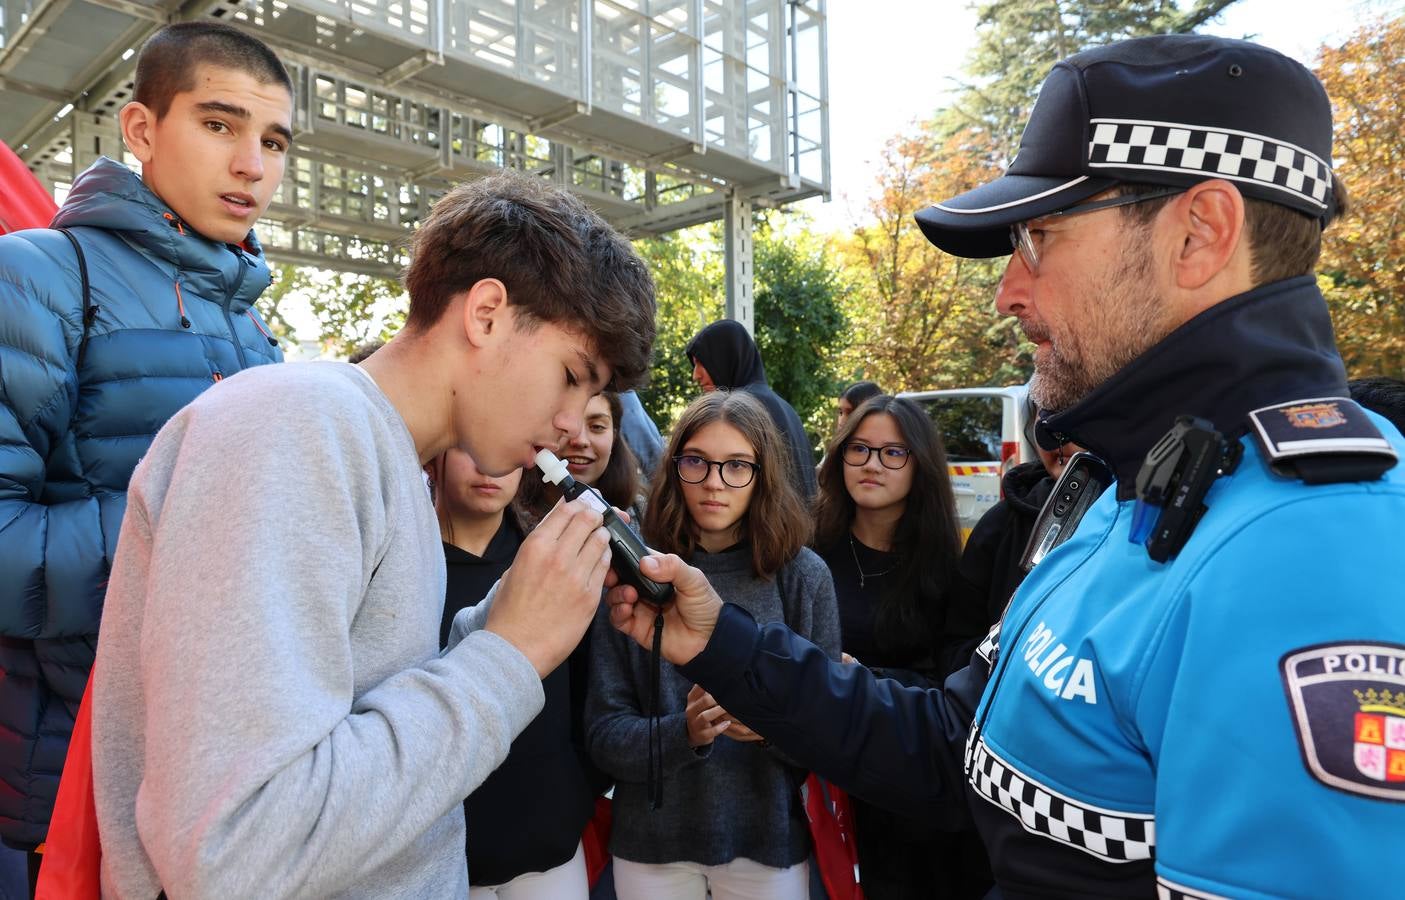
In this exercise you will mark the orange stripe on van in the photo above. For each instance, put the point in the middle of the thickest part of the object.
(977, 469)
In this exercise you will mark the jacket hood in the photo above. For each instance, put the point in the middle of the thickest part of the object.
(1026, 487)
(110, 196)
(729, 354)
(1267, 346)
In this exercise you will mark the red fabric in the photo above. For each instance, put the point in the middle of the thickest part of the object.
(23, 201)
(73, 853)
(596, 839)
(832, 830)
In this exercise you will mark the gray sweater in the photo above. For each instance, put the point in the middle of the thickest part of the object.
(727, 800)
(272, 717)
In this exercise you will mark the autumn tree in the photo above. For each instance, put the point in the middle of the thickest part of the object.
(922, 318)
(1363, 254)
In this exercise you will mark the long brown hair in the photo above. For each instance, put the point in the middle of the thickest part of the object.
(926, 540)
(618, 484)
(776, 523)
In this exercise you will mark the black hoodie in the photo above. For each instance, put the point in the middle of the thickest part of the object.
(990, 564)
(733, 361)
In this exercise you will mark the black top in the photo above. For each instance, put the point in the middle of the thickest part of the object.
(528, 815)
(858, 605)
(990, 563)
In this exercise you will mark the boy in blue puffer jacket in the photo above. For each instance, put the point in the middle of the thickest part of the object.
(138, 299)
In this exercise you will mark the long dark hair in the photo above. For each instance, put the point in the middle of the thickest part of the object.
(926, 540)
(776, 522)
(618, 484)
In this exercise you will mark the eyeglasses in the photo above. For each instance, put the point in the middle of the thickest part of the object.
(891, 456)
(1023, 243)
(735, 473)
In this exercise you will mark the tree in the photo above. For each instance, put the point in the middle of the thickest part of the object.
(1018, 41)
(688, 278)
(799, 324)
(1363, 254)
(922, 318)
(350, 309)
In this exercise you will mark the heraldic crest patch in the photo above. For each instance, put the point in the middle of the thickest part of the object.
(1348, 706)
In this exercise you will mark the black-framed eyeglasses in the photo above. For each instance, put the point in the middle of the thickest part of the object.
(890, 457)
(1024, 244)
(736, 473)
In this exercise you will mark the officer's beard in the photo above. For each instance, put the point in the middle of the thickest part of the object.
(1113, 317)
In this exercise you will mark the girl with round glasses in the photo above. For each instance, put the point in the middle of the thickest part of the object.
(731, 821)
(886, 526)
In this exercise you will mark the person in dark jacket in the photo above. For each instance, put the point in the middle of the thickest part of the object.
(138, 299)
(724, 355)
(990, 569)
(886, 527)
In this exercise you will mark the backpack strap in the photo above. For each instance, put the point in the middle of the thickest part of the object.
(90, 311)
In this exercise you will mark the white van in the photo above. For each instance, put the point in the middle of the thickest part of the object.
(983, 430)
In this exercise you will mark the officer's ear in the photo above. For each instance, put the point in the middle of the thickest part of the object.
(1207, 222)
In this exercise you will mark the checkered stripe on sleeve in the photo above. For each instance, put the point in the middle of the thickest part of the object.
(1216, 153)
(1169, 890)
(1109, 835)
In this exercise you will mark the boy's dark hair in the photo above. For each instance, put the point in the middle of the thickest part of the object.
(1383, 395)
(168, 60)
(560, 262)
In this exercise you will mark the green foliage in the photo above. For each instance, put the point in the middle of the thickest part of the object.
(687, 269)
(799, 325)
(1018, 41)
(350, 309)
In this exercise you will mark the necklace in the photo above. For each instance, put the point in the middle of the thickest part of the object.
(864, 576)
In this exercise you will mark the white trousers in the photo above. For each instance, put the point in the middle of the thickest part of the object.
(567, 881)
(740, 879)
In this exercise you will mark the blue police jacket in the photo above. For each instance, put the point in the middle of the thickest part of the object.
(170, 315)
(1228, 723)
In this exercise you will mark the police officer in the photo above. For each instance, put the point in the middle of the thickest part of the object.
(1202, 693)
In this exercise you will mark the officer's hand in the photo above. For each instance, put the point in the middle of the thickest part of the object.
(549, 596)
(689, 619)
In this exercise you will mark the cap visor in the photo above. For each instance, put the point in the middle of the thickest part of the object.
(976, 224)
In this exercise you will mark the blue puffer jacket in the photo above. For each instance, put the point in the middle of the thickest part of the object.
(171, 315)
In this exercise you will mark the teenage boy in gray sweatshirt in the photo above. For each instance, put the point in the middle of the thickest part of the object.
(271, 715)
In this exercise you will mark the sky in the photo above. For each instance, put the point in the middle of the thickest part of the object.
(893, 62)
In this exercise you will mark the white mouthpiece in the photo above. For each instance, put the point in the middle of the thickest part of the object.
(553, 469)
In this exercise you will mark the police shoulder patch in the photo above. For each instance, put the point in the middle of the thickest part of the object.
(1325, 440)
(1347, 701)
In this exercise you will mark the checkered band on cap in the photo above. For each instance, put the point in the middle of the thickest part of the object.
(1111, 836)
(1169, 890)
(1213, 152)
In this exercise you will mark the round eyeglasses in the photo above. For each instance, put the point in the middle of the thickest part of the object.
(1023, 242)
(891, 456)
(735, 473)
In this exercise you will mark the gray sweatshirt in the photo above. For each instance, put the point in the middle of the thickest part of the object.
(272, 717)
(726, 800)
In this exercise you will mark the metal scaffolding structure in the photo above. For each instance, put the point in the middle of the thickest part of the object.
(660, 113)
